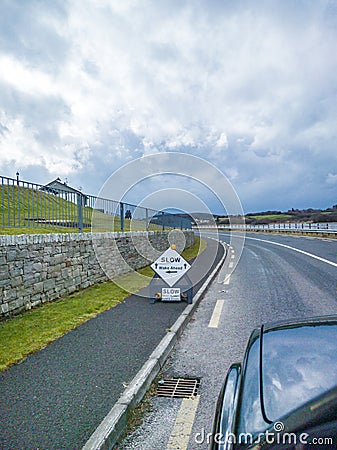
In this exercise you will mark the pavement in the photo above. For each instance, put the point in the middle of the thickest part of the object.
(72, 393)
(276, 278)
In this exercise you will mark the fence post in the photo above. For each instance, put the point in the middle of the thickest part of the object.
(121, 208)
(19, 205)
(147, 219)
(80, 213)
(163, 225)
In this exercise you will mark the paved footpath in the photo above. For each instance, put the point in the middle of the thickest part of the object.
(57, 397)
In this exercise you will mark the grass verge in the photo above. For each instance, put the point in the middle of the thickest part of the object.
(33, 330)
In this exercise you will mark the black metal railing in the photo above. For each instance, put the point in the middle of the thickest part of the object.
(58, 207)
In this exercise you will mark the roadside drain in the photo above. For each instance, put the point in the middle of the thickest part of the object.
(178, 387)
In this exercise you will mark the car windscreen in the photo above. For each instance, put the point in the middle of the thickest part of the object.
(298, 364)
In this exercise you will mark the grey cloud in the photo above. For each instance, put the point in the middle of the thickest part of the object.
(91, 68)
(25, 33)
(3, 129)
(134, 79)
(42, 115)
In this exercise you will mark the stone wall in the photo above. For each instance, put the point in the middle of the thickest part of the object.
(38, 268)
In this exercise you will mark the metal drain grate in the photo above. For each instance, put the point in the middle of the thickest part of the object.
(178, 387)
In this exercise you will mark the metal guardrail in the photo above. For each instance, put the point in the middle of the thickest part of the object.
(324, 227)
(57, 207)
(289, 226)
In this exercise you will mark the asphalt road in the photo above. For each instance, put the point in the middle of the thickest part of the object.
(57, 397)
(270, 282)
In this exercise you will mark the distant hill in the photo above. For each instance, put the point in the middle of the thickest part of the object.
(291, 216)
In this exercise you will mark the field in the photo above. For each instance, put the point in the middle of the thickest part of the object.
(272, 217)
(294, 216)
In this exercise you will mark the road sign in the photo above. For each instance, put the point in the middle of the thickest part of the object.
(170, 266)
(170, 294)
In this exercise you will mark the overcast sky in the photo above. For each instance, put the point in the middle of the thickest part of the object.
(251, 86)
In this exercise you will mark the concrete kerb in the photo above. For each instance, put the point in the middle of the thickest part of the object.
(139, 385)
(109, 430)
(164, 348)
(113, 424)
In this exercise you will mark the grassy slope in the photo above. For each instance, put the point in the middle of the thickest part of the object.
(33, 330)
(297, 216)
(20, 204)
(272, 216)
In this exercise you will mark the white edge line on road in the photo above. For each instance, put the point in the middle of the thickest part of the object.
(214, 322)
(296, 250)
(293, 248)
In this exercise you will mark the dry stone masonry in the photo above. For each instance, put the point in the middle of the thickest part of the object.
(39, 268)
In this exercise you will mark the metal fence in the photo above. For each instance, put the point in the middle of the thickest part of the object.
(303, 226)
(57, 207)
(323, 227)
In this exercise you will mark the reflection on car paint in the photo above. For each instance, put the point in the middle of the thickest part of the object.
(299, 364)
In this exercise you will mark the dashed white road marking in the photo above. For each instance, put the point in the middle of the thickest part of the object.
(233, 256)
(230, 265)
(227, 279)
(182, 429)
(214, 322)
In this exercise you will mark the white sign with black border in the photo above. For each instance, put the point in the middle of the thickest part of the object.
(170, 295)
(170, 266)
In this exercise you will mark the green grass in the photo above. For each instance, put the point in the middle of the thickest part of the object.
(21, 204)
(48, 230)
(271, 216)
(22, 207)
(198, 247)
(44, 230)
(33, 330)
